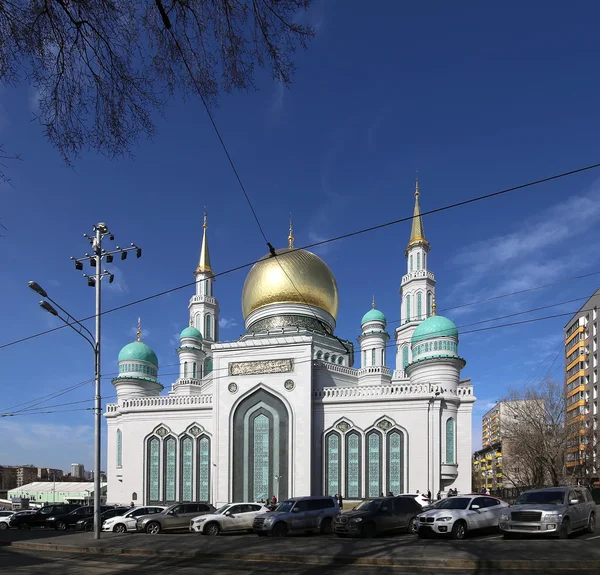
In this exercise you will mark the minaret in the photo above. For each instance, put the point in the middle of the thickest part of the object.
(417, 289)
(373, 339)
(204, 308)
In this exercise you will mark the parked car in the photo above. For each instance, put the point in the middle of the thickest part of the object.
(176, 516)
(127, 521)
(230, 517)
(63, 521)
(459, 515)
(87, 523)
(373, 516)
(5, 519)
(420, 498)
(298, 514)
(38, 519)
(553, 511)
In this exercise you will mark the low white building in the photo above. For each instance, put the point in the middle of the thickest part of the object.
(48, 492)
(282, 411)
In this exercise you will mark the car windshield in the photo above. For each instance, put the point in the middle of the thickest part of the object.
(222, 510)
(285, 507)
(454, 503)
(369, 505)
(541, 497)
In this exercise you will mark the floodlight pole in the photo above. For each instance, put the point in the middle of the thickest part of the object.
(97, 245)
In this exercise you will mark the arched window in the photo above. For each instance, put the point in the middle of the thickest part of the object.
(326, 357)
(119, 448)
(208, 327)
(319, 354)
(207, 287)
(407, 308)
(419, 305)
(340, 360)
(395, 461)
(404, 357)
(365, 358)
(170, 469)
(333, 461)
(203, 466)
(373, 356)
(333, 358)
(411, 263)
(186, 471)
(194, 370)
(373, 467)
(134, 496)
(450, 441)
(153, 458)
(418, 261)
(428, 303)
(353, 465)
(424, 260)
(185, 373)
(198, 322)
(261, 436)
(208, 365)
(383, 356)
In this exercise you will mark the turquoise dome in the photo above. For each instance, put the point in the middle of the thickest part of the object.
(190, 332)
(138, 351)
(435, 326)
(373, 315)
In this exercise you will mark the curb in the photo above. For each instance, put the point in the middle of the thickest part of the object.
(485, 564)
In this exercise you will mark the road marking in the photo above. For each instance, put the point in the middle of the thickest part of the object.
(590, 538)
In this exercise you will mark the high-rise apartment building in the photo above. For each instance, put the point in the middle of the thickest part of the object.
(581, 382)
(49, 474)
(77, 471)
(26, 474)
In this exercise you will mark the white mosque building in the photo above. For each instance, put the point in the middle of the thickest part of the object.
(282, 410)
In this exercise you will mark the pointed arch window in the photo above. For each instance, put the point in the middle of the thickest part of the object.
(194, 370)
(119, 448)
(340, 360)
(208, 327)
(450, 441)
(333, 463)
(411, 263)
(395, 461)
(319, 354)
(353, 465)
(383, 357)
(185, 372)
(428, 304)
(407, 308)
(373, 467)
(261, 437)
(418, 260)
(365, 358)
(153, 459)
(198, 322)
(424, 260)
(203, 466)
(333, 358)
(208, 365)
(419, 305)
(326, 356)
(170, 469)
(373, 356)
(404, 357)
(186, 471)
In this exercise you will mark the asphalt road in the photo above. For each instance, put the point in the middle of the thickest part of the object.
(131, 554)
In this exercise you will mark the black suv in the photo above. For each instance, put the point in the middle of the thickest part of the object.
(87, 523)
(38, 519)
(373, 516)
(62, 521)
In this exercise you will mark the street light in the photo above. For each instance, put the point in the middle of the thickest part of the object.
(95, 260)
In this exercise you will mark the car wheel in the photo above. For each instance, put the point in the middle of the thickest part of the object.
(60, 526)
(212, 529)
(412, 526)
(280, 530)
(459, 530)
(119, 528)
(3, 525)
(565, 529)
(327, 526)
(153, 528)
(369, 530)
(89, 527)
(591, 526)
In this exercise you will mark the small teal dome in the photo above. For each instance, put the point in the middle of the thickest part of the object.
(373, 315)
(138, 351)
(435, 326)
(190, 332)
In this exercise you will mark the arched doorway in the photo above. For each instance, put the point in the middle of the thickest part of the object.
(260, 448)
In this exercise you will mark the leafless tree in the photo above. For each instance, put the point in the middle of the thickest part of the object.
(101, 68)
(534, 443)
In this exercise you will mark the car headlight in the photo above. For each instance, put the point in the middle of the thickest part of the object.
(51, 519)
(444, 519)
(553, 516)
(356, 520)
(269, 520)
(200, 520)
(504, 517)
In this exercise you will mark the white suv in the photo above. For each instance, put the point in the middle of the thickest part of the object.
(127, 521)
(5, 519)
(230, 517)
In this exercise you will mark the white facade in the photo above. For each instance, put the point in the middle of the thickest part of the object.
(282, 412)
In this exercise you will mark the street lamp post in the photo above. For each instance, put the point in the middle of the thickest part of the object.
(93, 280)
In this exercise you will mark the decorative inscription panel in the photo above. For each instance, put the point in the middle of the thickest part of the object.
(260, 367)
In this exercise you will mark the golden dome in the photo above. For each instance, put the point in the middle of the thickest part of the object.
(267, 283)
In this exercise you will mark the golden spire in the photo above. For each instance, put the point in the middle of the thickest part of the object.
(204, 263)
(433, 306)
(291, 236)
(139, 329)
(417, 232)
(373, 302)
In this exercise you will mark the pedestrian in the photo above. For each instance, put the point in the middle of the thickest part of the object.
(340, 501)
(273, 501)
(439, 494)
(482, 491)
(417, 491)
(381, 494)
(429, 494)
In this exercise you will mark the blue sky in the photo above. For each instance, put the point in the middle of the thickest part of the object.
(477, 97)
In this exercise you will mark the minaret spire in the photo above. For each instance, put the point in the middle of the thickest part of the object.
(373, 302)
(204, 263)
(291, 235)
(139, 329)
(417, 232)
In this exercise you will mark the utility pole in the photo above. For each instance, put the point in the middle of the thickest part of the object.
(93, 280)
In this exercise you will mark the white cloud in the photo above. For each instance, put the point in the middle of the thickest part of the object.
(278, 99)
(119, 284)
(133, 332)
(226, 323)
